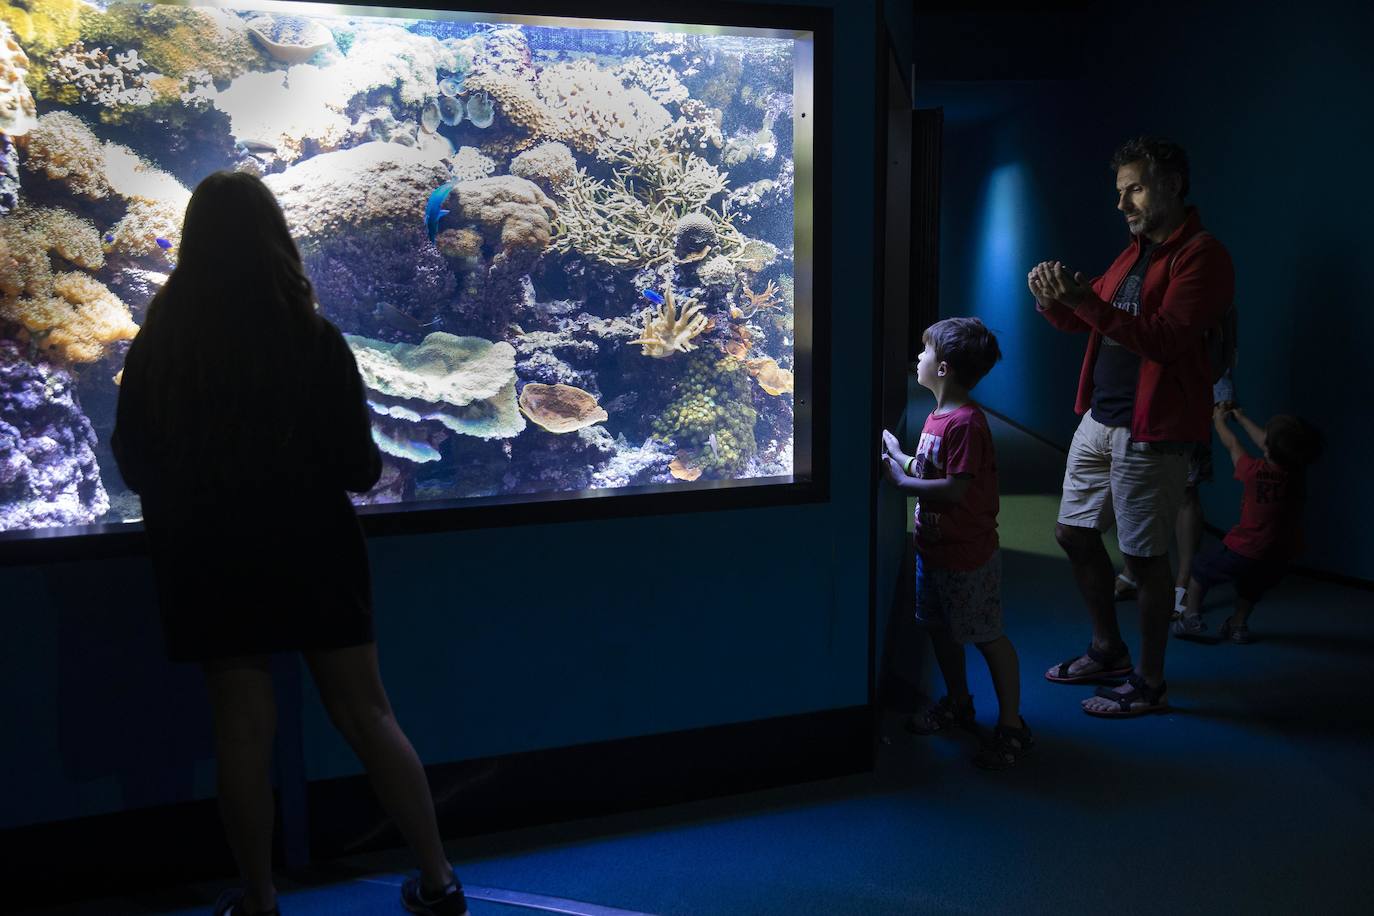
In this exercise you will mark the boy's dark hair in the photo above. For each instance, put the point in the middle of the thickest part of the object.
(966, 345)
(1293, 442)
(1161, 156)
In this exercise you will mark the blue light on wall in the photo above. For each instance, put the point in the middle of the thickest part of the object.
(999, 294)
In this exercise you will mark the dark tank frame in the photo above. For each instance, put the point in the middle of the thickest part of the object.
(809, 482)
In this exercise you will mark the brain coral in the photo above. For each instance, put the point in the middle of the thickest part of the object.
(511, 211)
(549, 165)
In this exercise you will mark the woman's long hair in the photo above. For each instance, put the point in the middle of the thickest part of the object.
(228, 337)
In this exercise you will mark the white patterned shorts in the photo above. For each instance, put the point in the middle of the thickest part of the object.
(967, 602)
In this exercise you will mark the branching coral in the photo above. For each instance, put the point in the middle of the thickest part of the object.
(633, 220)
(99, 79)
(754, 302)
(668, 331)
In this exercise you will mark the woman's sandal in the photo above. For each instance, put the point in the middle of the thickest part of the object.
(1008, 745)
(1140, 700)
(230, 903)
(1104, 671)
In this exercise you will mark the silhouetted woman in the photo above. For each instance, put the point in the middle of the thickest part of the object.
(241, 424)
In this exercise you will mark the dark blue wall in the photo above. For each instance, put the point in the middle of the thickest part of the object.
(513, 639)
(1273, 112)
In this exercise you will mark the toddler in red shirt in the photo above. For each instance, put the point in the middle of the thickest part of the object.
(1255, 553)
(958, 566)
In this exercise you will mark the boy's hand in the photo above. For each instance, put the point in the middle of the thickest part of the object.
(890, 445)
(892, 469)
(1221, 413)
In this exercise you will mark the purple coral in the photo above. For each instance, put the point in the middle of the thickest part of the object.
(9, 175)
(48, 471)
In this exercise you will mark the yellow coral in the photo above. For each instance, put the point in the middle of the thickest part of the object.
(26, 237)
(75, 324)
(771, 377)
(668, 331)
(63, 148)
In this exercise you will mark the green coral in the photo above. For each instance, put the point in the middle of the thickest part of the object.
(173, 40)
(344, 39)
(41, 27)
(715, 397)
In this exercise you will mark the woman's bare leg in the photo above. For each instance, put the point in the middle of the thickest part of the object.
(351, 687)
(245, 720)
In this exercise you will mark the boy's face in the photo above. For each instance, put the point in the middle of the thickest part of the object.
(928, 368)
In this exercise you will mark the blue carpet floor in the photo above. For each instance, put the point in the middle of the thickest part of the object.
(1252, 796)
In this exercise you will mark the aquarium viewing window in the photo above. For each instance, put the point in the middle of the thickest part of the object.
(573, 257)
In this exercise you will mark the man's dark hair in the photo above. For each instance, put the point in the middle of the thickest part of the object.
(1161, 156)
(1293, 442)
(966, 345)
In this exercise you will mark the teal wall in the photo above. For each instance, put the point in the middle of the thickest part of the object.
(1268, 108)
(512, 639)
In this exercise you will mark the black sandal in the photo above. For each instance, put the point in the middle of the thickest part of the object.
(1151, 699)
(1107, 670)
(943, 716)
(1008, 745)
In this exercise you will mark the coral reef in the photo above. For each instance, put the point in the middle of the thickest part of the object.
(290, 39)
(310, 106)
(560, 408)
(174, 40)
(549, 165)
(712, 421)
(96, 78)
(18, 113)
(771, 378)
(659, 80)
(469, 164)
(48, 471)
(717, 273)
(668, 331)
(373, 183)
(42, 28)
(63, 148)
(69, 315)
(9, 176)
(633, 220)
(630, 465)
(466, 384)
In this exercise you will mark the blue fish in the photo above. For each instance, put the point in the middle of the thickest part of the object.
(109, 238)
(653, 297)
(163, 243)
(432, 212)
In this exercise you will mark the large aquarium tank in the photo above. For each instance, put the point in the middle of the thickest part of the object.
(570, 257)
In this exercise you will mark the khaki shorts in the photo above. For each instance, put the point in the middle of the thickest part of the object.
(1136, 485)
(967, 602)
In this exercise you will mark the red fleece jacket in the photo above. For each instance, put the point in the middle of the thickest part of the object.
(1188, 287)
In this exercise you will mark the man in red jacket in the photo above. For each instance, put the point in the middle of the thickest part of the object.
(1145, 395)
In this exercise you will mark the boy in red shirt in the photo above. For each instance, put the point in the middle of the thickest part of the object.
(1255, 553)
(958, 565)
